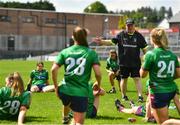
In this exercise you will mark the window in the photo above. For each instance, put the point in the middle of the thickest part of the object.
(61, 21)
(28, 19)
(5, 18)
(50, 21)
(72, 21)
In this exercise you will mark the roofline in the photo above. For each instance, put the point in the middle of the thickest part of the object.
(51, 11)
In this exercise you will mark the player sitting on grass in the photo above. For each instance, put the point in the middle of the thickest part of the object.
(39, 80)
(14, 100)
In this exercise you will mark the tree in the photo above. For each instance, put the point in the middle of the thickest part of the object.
(169, 13)
(162, 13)
(40, 5)
(96, 7)
(122, 22)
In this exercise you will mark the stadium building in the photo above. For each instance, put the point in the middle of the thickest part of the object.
(35, 32)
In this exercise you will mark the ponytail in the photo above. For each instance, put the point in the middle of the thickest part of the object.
(80, 36)
(159, 37)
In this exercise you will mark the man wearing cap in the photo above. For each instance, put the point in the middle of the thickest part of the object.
(129, 43)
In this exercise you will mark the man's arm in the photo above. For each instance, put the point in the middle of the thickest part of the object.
(143, 73)
(144, 50)
(100, 41)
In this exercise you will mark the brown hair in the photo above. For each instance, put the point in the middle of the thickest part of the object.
(80, 36)
(40, 62)
(113, 51)
(159, 37)
(18, 85)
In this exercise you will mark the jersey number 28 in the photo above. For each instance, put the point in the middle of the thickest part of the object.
(13, 107)
(71, 62)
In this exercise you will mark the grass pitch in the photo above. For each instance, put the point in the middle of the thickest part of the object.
(46, 107)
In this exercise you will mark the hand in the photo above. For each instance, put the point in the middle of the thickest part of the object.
(117, 72)
(96, 86)
(97, 40)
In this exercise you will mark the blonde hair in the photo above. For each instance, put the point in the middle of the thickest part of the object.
(9, 80)
(17, 85)
(159, 37)
(80, 36)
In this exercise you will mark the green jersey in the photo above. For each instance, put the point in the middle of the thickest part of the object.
(39, 77)
(10, 106)
(90, 100)
(161, 65)
(78, 61)
(112, 64)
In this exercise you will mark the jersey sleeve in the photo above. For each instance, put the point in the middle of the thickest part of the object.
(47, 75)
(148, 61)
(32, 74)
(107, 64)
(1, 94)
(177, 63)
(26, 99)
(60, 59)
(142, 42)
(95, 58)
(116, 39)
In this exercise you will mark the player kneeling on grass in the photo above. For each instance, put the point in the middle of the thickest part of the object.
(39, 80)
(93, 100)
(78, 61)
(14, 100)
(163, 67)
(113, 69)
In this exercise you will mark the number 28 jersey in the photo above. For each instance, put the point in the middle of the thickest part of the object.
(78, 61)
(161, 65)
(9, 106)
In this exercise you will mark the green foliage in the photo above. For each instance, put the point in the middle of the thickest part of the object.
(169, 13)
(46, 108)
(39, 5)
(122, 22)
(96, 7)
(146, 16)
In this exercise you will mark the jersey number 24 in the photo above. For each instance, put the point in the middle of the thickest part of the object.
(166, 69)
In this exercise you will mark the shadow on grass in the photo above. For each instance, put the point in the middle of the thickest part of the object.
(107, 117)
(13, 119)
(172, 117)
(36, 119)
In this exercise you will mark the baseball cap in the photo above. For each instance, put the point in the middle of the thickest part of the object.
(129, 21)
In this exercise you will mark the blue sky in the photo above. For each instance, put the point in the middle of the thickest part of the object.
(79, 5)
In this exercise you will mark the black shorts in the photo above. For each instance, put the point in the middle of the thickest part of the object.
(77, 103)
(160, 100)
(41, 86)
(125, 72)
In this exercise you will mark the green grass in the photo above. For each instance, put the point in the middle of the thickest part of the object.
(46, 107)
